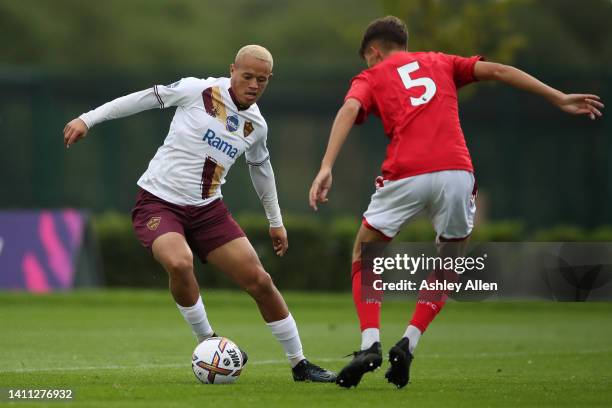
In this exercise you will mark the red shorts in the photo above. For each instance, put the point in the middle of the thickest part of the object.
(205, 227)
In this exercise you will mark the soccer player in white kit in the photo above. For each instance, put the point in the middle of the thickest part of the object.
(179, 208)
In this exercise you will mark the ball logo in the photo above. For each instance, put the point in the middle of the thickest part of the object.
(234, 355)
(153, 223)
(232, 123)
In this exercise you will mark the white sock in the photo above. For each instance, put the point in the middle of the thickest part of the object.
(413, 334)
(369, 337)
(196, 316)
(286, 333)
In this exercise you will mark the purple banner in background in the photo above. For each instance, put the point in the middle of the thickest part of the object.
(38, 249)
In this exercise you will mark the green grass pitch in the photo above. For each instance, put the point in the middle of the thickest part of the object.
(132, 349)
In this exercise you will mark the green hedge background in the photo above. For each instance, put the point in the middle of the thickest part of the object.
(319, 249)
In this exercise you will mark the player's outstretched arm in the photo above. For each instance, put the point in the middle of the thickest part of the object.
(576, 104)
(158, 96)
(340, 129)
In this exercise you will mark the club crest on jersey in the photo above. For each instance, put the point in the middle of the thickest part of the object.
(248, 128)
(215, 141)
(232, 123)
(153, 223)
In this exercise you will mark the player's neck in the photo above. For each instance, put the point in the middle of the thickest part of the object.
(239, 105)
(390, 53)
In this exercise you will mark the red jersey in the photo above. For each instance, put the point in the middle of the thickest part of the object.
(415, 95)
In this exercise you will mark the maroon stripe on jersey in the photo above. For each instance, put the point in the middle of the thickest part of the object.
(208, 173)
(208, 102)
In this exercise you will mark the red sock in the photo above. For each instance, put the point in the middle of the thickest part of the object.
(430, 302)
(368, 312)
(424, 313)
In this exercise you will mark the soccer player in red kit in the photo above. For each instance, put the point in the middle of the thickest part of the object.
(427, 167)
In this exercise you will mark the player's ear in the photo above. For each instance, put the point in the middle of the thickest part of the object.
(232, 68)
(378, 52)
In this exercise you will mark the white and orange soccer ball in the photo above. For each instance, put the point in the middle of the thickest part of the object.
(217, 360)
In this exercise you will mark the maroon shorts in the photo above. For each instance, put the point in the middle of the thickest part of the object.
(204, 227)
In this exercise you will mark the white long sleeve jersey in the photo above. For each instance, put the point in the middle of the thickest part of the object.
(207, 134)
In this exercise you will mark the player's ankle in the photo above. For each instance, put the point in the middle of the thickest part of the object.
(202, 337)
(294, 361)
(413, 334)
(369, 336)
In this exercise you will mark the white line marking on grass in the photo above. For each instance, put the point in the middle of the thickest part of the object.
(142, 366)
(282, 362)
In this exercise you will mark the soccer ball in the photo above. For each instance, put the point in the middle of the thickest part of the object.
(217, 360)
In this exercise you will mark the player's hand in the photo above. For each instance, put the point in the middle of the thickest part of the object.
(74, 131)
(581, 104)
(320, 187)
(279, 240)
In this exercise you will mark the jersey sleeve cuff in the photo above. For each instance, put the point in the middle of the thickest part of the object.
(88, 122)
(476, 58)
(276, 222)
(361, 115)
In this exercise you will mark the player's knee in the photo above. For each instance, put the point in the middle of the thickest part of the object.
(179, 265)
(260, 284)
